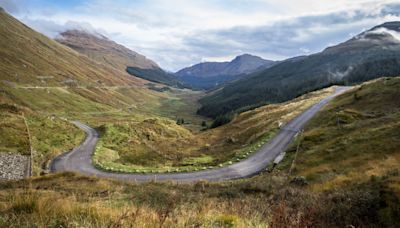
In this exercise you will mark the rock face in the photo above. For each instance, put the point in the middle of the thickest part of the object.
(13, 166)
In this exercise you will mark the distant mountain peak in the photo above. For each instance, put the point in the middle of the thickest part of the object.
(386, 32)
(246, 56)
(241, 64)
(82, 33)
(384, 35)
(102, 49)
(391, 25)
(207, 75)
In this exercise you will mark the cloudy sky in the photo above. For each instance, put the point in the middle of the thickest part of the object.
(179, 33)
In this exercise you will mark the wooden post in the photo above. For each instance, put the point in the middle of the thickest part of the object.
(295, 155)
(30, 164)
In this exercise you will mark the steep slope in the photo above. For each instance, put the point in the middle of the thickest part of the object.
(102, 49)
(35, 66)
(371, 54)
(157, 75)
(46, 83)
(210, 74)
(108, 52)
(33, 58)
(353, 138)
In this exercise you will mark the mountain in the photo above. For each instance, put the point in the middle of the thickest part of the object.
(157, 75)
(34, 58)
(371, 54)
(43, 75)
(209, 74)
(101, 49)
(44, 83)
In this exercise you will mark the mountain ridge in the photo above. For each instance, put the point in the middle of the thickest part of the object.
(208, 75)
(364, 57)
(104, 50)
(234, 67)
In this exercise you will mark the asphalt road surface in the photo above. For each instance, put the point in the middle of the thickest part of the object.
(80, 159)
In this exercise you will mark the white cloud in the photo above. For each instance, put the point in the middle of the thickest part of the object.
(394, 34)
(178, 33)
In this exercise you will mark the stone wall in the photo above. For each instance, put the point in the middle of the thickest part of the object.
(13, 166)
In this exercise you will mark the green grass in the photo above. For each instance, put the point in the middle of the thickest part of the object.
(181, 104)
(159, 145)
(13, 133)
(51, 136)
(352, 139)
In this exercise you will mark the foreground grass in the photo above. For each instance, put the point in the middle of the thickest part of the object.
(354, 138)
(69, 200)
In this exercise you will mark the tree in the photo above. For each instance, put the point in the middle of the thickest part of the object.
(221, 120)
(180, 121)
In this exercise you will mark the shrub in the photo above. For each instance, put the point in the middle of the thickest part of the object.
(221, 120)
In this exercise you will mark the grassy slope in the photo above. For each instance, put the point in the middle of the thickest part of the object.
(353, 139)
(50, 135)
(13, 133)
(101, 49)
(161, 145)
(47, 80)
(264, 200)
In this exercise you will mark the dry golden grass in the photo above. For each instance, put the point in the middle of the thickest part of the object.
(354, 138)
(70, 200)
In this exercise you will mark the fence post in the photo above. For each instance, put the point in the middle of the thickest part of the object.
(30, 164)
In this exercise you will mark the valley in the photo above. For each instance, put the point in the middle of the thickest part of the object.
(79, 160)
(94, 134)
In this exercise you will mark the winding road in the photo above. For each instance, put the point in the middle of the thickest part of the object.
(80, 159)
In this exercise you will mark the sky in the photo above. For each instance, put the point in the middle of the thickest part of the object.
(180, 33)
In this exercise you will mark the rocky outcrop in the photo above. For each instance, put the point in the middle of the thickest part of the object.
(13, 166)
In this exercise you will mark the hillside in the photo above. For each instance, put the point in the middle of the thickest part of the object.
(158, 145)
(357, 185)
(343, 170)
(369, 55)
(157, 75)
(353, 139)
(43, 83)
(34, 59)
(210, 74)
(103, 50)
